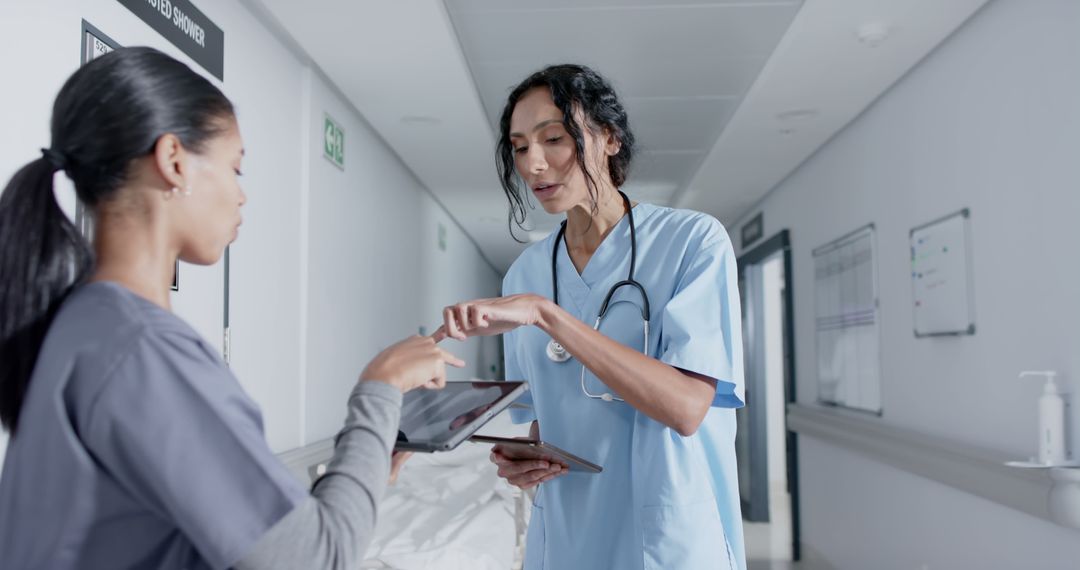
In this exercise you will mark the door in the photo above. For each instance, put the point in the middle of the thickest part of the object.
(200, 293)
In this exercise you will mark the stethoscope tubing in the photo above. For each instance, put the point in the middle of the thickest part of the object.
(555, 351)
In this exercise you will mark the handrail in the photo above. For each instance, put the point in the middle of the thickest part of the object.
(973, 469)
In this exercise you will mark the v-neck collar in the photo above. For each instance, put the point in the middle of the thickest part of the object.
(612, 252)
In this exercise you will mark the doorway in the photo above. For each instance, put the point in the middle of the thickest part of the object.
(765, 448)
(200, 293)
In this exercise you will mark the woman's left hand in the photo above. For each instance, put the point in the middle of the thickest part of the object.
(397, 460)
(486, 317)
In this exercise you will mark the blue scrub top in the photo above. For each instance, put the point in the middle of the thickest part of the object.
(663, 501)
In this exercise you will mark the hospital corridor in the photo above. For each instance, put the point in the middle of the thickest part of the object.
(549, 285)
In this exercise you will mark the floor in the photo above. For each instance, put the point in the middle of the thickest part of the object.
(769, 545)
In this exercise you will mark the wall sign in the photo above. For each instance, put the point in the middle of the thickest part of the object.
(334, 142)
(95, 43)
(180, 22)
(752, 230)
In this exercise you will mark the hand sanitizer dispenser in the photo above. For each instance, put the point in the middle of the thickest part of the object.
(1051, 419)
(1063, 500)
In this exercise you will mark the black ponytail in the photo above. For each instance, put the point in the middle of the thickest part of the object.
(108, 113)
(42, 256)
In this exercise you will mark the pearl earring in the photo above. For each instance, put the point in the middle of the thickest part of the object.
(187, 190)
(175, 190)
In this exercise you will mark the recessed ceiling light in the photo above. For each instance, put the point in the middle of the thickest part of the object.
(797, 114)
(420, 120)
(872, 33)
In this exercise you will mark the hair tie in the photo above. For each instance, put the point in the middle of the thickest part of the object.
(55, 158)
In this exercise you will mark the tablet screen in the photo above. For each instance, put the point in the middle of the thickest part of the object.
(437, 416)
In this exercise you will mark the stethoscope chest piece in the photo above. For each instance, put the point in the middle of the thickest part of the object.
(556, 352)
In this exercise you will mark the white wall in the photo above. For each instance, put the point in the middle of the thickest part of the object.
(330, 266)
(990, 121)
(375, 268)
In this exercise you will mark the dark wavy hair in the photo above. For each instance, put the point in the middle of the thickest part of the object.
(572, 87)
(109, 113)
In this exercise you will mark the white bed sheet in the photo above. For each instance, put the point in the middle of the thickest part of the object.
(450, 511)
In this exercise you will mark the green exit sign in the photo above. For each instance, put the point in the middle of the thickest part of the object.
(334, 142)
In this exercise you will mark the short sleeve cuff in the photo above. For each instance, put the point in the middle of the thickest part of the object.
(728, 393)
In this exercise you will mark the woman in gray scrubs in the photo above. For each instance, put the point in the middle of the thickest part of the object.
(133, 446)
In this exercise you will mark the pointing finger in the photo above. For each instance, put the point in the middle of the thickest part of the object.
(451, 359)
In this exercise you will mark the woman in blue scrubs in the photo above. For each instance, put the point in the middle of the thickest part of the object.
(652, 403)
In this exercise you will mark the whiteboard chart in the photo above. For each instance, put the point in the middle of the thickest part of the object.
(847, 327)
(941, 277)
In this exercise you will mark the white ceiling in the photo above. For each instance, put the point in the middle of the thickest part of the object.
(655, 55)
(726, 97)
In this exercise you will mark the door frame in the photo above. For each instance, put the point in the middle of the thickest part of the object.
(781, 241)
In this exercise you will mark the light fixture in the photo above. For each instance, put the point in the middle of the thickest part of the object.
(872, 33)
(794, 115)
(420, 120)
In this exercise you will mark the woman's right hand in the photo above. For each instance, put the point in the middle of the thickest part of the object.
(414, 362)
(527, 473)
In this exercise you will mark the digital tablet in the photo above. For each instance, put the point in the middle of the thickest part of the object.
(439, 420)
(532, 449)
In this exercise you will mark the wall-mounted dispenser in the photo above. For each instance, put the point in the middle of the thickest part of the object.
(1051, 419)
(1063, 501)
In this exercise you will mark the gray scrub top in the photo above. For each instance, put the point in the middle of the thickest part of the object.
(136, 448)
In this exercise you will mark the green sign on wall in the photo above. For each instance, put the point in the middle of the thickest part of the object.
(334, 142)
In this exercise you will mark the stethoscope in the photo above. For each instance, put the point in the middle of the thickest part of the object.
(555, 351)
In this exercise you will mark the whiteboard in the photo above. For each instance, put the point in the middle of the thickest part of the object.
(847, 327)
(941, 277)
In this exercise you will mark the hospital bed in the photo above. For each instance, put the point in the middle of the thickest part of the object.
(447, 511)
